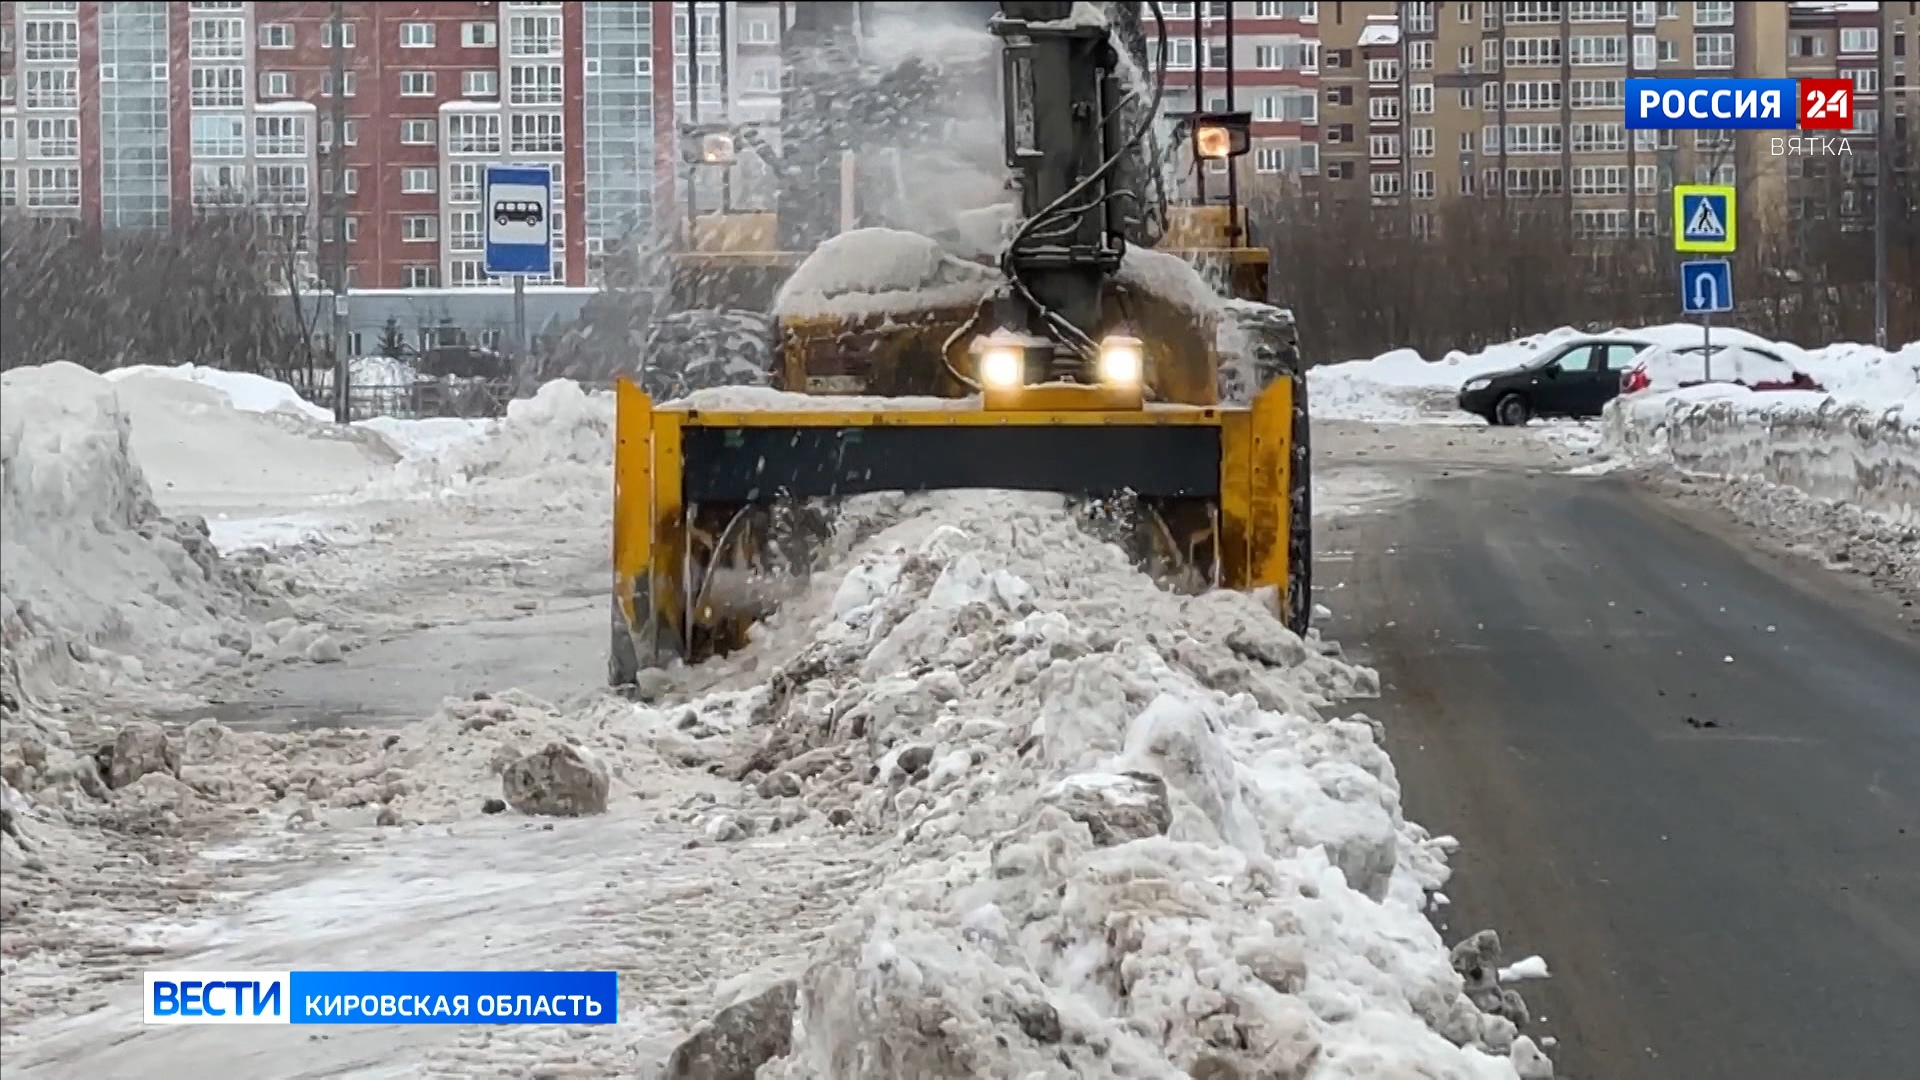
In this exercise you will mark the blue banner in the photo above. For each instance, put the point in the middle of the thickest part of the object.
(1713, 104)
(454, 997)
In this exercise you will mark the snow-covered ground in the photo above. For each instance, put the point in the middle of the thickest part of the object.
(996, 803)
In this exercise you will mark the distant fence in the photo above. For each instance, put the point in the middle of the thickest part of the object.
(471, 399)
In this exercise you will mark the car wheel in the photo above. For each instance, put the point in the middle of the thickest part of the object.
(1512, 411)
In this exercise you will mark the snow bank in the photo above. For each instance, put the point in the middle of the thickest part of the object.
(1401, 386)
(226, 443)
(99, 585)
(242, 390)
(1814, 443)
(559, 441)
(1127, 842)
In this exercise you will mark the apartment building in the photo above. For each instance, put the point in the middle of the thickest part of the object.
(141, 115)
(1866, 43)
(1425, 101)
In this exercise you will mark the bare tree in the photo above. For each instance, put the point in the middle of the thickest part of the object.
(202, 293)
(1361, 282)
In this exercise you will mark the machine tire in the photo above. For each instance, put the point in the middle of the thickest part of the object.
(623, 659)
(703, 348)
(1512, 411)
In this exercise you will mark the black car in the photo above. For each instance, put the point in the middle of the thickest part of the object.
(1575, 378)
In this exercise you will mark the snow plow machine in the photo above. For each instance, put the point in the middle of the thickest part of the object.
(1066, 342)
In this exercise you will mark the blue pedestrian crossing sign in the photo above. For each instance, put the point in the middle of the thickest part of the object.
(1703, 218)
(1706, 287)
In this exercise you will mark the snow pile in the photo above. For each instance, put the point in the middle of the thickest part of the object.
(99, 586)
(556, 444)
(242, 390)
(881, 271)
(1814, 443)
(1127, 842)
(217, 442)
(1403, 387)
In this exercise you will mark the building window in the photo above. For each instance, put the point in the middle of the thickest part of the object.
(417, 181)
(218, 87)
(1598, 94)
(1599, 138)
(533, 84)
(416, 35)
(763, 80)
(55, 137)
(1468, 97)
(1532, 12)
(1808, 46)
(1865, 80)
(479, 35)
(1596, 11)
(1383, 71)
(416, 84)
(464, 179)
(1713, 52)
(1417, 17)
(1646, 179)
(1420, 141)
(419, 228)
(1383, 146)
(473, 133)
(1383, 108)
(1717, 140)
(484, 83)
(1597, 50)
(756, 31)
(1287, 56)
(535, 133)
(1465, 57)
(1269, 159)
(51, 40)
(416, 132)
(276, 84)
(467, 274)
(465, 231)
(1216, 56)
(1860, 39)
(280, 136)
(1669, 51)
(1532, 139)
(346, 34)
(1384, 185)
(352, 133)
(53, 88)
(1420, 55)
(1599, 224)
(1423, 186)
(422, 276)
(1713, 13)
(536, 35)
(276, 36)
(9, 188)
(1644, 14)
(208, 39)
(283, 185)
(1532, 96)
(1531, 52)
(349, 180)
(53, 188)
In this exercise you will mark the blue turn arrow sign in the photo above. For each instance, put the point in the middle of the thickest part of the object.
(1706, 287)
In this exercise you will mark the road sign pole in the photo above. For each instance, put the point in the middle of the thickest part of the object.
(1706, 340)
(522, 354)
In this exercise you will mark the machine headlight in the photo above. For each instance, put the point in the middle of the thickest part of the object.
(1478, 384)
(1002, 367)
(716, 148)
(1212, 142)
(1122, 360)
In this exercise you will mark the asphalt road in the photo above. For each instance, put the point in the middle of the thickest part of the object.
(1685, 773)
